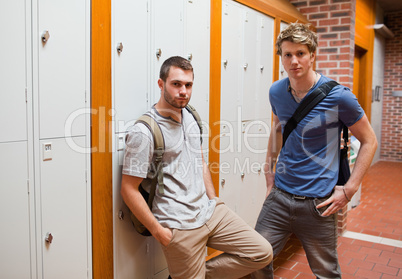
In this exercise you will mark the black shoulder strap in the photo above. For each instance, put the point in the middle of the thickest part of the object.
(306, 105)
(197, 118)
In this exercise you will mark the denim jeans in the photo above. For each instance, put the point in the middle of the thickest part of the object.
(282, 215)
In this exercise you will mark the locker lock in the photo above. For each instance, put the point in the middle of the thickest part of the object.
(119, 47)
(49, 237)
(158, 53)
(190, 57)
(223, 181)
(225, 63)
(245, 66)
(121, 215)
(262, 68)
(242, 175)
(45, 36)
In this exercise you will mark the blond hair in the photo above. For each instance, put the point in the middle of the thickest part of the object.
(297, 33)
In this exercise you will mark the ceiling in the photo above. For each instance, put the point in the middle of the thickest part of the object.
(390, 5)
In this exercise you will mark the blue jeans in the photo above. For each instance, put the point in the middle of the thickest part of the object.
(282, 215)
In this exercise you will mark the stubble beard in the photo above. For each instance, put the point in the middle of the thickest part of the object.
(172, 102)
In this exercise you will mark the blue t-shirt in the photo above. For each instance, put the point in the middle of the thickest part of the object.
(308, 164)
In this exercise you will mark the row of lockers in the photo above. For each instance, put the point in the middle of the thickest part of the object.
(168, 28)
(246, 68)
(44, 163)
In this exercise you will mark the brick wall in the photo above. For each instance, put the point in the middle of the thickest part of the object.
(334, 23)
(391, 142)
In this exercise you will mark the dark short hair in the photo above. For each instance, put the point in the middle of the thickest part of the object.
(175, 61)
(297, 33)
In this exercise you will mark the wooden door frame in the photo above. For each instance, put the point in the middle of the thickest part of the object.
(101, 140)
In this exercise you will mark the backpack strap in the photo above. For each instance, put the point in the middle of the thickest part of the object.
(306, 105)
(197, 118)
(159, 149)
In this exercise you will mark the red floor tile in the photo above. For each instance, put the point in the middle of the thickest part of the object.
(379, 214)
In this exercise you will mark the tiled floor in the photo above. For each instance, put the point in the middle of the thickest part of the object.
(372, 247)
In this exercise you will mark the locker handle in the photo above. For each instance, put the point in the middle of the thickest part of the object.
(119, 47)
(158, 53)
(225, 63)
(49, 238)
(45, 36)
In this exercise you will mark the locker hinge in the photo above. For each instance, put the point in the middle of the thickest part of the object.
(28, 186)
(85, 96)
(86, 176)
(26, 95)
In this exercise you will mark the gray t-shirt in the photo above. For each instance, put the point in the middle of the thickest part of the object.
(184, 203)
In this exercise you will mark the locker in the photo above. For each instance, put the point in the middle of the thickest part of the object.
(163, 29)
(64, 211)
(15, 235)
(130, 57)
(249, 60)
(197, 34)
(197, 45)
(131, 250)
(265, 49)
(250, 53)
(13, 81)
(255, 141)
(231, 84)
(62, 50)
(167, 37)
(229, 157)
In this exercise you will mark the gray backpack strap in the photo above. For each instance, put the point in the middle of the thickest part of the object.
(159, 149)
(197, 118)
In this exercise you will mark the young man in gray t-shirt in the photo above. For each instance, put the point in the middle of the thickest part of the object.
(187, 216)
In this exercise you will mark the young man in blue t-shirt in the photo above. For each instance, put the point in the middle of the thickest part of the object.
(302, 195)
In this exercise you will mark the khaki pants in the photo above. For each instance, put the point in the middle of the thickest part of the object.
(244, 249)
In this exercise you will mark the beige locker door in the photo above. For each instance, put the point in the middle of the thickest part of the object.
(132, 258)
(130, 49)
(197, 36)
(62, 65)
(15, 234)
(231, 70)
(229, 165)
(249, 63)
(265, 50)
(13, 57)
(130, 79)
(64, 206)
(197, 39)
(167, 37)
